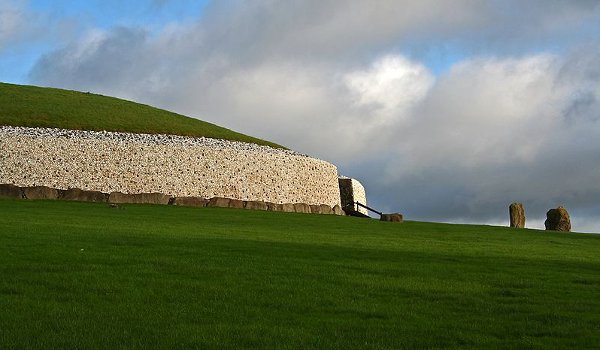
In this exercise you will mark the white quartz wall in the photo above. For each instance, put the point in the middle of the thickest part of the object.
(173, 165)
(359, 194)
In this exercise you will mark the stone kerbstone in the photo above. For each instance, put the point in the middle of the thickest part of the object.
(325, 209)
(256, 205)
(274, 206)
(236, 203)
(138, 198)
(302, 208)
(75, 194)
(12, 191)
(191, 201)
(288, 208)
(40, 192)
(315, 209)
(558, 220)
(337, 210)
(394, 217)
(517, 215)
(219, 202)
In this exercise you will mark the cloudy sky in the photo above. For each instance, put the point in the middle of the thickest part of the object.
(444, 110)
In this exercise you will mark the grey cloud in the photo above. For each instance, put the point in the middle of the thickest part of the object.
(492, 132)
(326, 78)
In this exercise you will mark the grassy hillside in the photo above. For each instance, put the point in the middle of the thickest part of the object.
(47, 107)
(84, 275)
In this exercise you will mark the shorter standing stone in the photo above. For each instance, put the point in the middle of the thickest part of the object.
(395, 217)
(517, 215)
(558, 220)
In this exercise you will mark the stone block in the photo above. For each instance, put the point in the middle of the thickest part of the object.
(12, 191)
(191, 201)
(325, 209)
(218, 202)
(236, 203)
(337, 210)
(274, 206)
(256, 205)
(40, 192)
(302, 208)
(75, 194)
(394, 217)
(288, 208)
(139, 198)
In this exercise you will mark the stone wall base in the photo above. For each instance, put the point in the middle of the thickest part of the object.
(74, 194)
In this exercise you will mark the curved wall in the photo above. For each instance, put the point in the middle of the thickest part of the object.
(173, 165)
(351, 191)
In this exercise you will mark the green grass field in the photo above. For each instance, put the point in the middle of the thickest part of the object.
(56, 108)
(87, 276)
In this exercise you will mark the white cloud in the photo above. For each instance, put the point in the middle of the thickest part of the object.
(390, 87)
(12, 22)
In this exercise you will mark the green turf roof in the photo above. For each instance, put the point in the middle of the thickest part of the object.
(33, 106)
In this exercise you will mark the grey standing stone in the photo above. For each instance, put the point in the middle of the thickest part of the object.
(558, 220)
(517, 215)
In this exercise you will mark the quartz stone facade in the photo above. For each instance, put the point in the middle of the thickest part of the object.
(173, 165)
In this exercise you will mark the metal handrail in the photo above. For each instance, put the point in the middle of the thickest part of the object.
(368, 208)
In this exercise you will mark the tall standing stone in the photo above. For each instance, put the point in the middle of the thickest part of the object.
(517, 215)
(558, 220)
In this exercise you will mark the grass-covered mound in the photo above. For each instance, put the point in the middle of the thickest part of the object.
(84, 275)
(56, 108)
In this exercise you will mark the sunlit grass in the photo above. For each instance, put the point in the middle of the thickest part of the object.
(83, 275)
